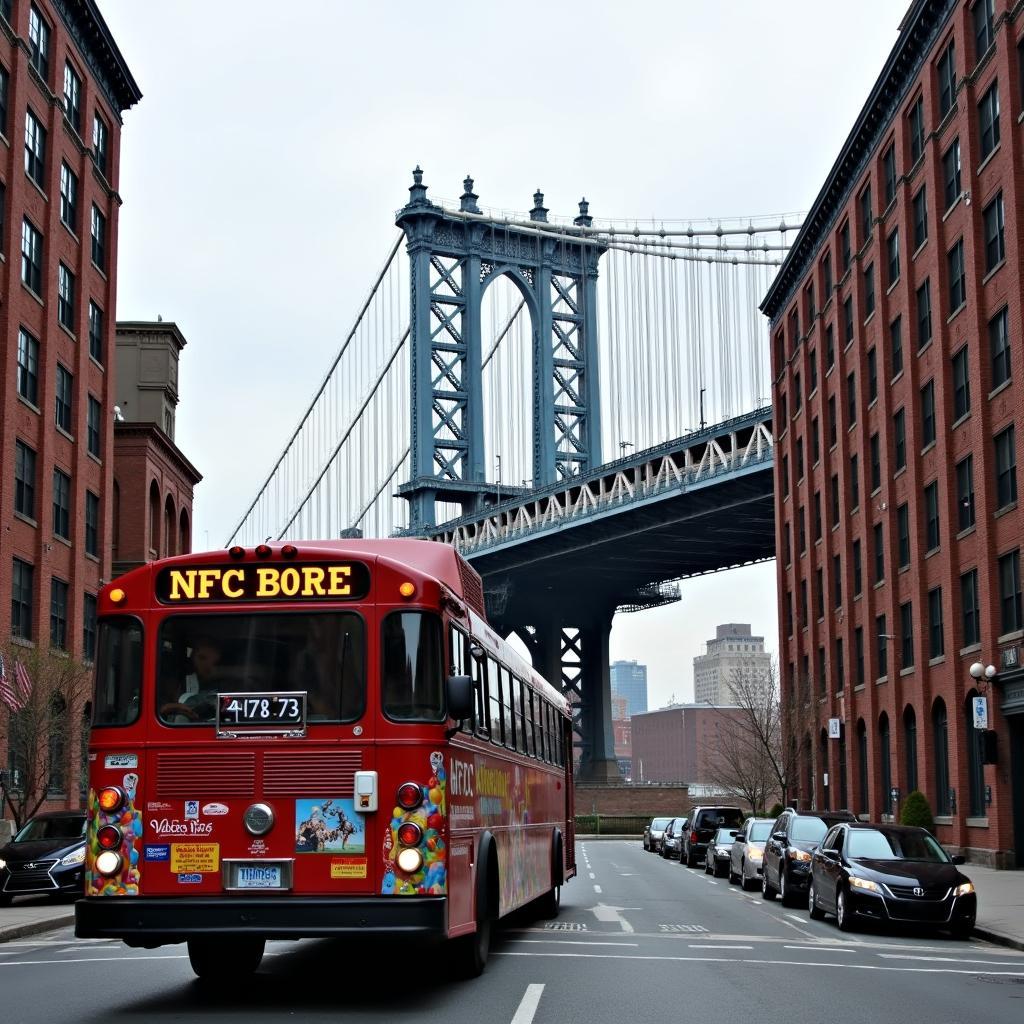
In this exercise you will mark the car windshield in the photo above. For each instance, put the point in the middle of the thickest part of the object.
(808, 830)
(51, 828)
(660, 823)
(871, 844)
(724, 836)
(718, 816)
(759, 831)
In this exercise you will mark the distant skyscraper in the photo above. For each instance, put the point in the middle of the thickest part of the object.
(629, 680)
(732, 651)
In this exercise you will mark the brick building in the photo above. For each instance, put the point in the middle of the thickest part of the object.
(63, 88)
(675, 744)
(622, 732)
(897, 359)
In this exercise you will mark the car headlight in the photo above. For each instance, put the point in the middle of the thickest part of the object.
(865, 883)
(963, 890)
(802, 855)
(78, 857)
(3, 863)
(754, 853)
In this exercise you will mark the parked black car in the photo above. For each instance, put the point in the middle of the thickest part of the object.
(890, 873)
(704, 821)
(46, 856)
(716, 858)
(787, 854)
(672, 841)
(654, 832)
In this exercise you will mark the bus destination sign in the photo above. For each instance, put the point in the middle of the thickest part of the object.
(267, 581)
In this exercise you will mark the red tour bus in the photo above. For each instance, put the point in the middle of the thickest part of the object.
(321, 739)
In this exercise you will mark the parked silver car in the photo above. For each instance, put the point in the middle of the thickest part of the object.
(654, 833)
(746, 859)
(672, 842)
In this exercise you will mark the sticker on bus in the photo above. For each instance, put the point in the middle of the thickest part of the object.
(328, 825)
(190, 879)
(350, 867)
(121, 761)
(191, 857)
(158, 852)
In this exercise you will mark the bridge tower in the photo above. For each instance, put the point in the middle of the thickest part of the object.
(454, 257)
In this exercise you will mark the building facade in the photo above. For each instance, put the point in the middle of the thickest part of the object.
(622, 732)
(678, 743)
(629, 680)
(63, 88)
(732, 656)
(897, 359)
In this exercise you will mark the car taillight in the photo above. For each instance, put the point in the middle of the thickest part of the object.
(109, 837)
(109, 863)
(693, 837)
(111, 799)
(410, 834)
(410, 795)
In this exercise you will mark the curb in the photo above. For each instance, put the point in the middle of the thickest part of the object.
(18, 931)
(997, 937)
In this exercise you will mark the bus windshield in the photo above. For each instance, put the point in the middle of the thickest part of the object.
(200, 656)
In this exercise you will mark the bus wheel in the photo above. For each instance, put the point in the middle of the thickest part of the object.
(224, 960)
(549, 904)
(471, 951)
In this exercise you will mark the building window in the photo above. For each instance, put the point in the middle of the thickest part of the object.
(830, 346)
(872, 374)
(39, 43)
(916, 117)
(21, 599)
(928, 414)
(31, 257)
(1010, 593)
(844, 245)
(907, 635)
(920, 212)
(817, 515)
(5, 83)
(812, 310)
(984, 29)
(862, 767)
(24, 480)
(785, 476)
(951, 174)
(885, 762)
(61, 504)
(940, 742)
(95, 332)
(799, 458)
(815, 442)
(794, 329)
(89, 628)
(903, 535)
(970, 609)
(876, 463)
(854, 481)
(819, 594)
(866, 218)
(65, 386)
(73, 97)
(999, 347)
(835, 499)
(58, 614)
(848, 320)
(988, 116)
(99, 238)
(784, 406)
(869, 290)
(851, 397)
(889, 169)
(910, 747)
(961, 385)
(1006, 468)
(28, 367)
(65, 297)
(931, 515)
(803, 609)
(924, 314)
(892, 244)
(832, 425)
(787, 546)
(93, 426)
(936, 639)
(858, 582)
(899, 435)
(896, 344)
(839, 666)
(995, 242)
(965, 493)
(826, 273)
(837, 581)
(947, 80)
(35, 149)
(957, 276)
(68, 198)
(92, 523)
(812, 375)
(858, 647)
(798, 394)
(801, 529)
(789, 616)
(879, 552)
(100, 143)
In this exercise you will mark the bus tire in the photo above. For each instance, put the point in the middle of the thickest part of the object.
(225, 960)
(471, 951)
(548, 905)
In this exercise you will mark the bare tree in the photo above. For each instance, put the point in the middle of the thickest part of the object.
(42, 735)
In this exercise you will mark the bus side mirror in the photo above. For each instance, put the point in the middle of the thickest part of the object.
(459, 695)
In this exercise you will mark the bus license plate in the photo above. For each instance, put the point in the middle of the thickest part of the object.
(259, 876)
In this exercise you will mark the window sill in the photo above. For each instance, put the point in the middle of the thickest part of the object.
(970, 649)
(1017, 634)
(897, 377)
(933, 551)
(855, 509)
(870, 317)
(881, 679)
(952, 206)
(878, 585)
(940, 660)
(956, 312)
(908, 671)
(95, 362)
(876, 490)
(899, 472)
(924, 348)
(889, 290)
(966, 533)
(943, 819)
(1002, 387)
(99, 270)
(35, 184)
(928, 447)
(857, 597)
(64, 433)
(858, 688)
(977, 822)
(95, 458)
(995, 270)
(25, 519)
(35, 295)
(872, 403)
(963, 419)
(988, 159)
(31, 405)
(917, 251)
(902, 569)
(64, 224)
(67, 330)
(92, 558)
(1004, 510)
(852, 427)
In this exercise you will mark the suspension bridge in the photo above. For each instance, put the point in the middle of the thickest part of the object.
(584, 447)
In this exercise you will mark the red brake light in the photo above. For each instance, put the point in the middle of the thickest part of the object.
(109, 837)
(409, 795)
(236, 552)
(410, 834)
(289, 551)
(693, 837)
(263, 551)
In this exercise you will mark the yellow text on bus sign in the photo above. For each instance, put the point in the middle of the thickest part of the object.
(266, 582)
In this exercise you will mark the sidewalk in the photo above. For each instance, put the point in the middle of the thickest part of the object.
(1000, 906)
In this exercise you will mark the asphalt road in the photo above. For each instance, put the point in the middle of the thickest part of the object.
(637, 936)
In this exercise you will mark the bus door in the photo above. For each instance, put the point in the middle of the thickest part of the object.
(570, 802)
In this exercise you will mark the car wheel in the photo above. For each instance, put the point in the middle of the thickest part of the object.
(707, 865)
(813, 910)
(224, 963)
(767, 892)
(647, 848)
(733, 877)
(720, 871)
(783, 888)
(691, 858)
(843, 916)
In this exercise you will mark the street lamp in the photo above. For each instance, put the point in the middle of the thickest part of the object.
(987, 671)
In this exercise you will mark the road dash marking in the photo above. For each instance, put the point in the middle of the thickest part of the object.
(576, 942)
(697, 945)
(949, 959)
(597, 889)
(592, 875)
(797, 918)
(821, 949)
(528, 1005)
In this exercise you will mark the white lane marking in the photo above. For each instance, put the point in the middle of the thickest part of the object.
(950, 960)
(597, 888)
(576, 942)
(798, 919)
(592, 875)
(752, 960)
(612, 914)
(91, 960)
(698, 945)
(626, 874)
(821, 949)
(528, 1005)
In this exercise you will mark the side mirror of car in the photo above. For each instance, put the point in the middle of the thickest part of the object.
(780, 837)
(459, 695)
(959, 859)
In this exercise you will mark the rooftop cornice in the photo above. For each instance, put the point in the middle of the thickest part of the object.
(152, 433)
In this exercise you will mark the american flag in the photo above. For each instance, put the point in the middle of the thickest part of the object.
(15, 694)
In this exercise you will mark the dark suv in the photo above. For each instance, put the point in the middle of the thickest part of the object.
(704, 822)
(787, 853)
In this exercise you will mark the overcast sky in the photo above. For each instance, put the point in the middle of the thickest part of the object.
(261, 171)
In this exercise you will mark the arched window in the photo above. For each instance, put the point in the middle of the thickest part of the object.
(863, 806)
(154, 521)
(940, 741)
(170, 532)
(184, 537)
(885, 762)
(975, 768)
(56, 767)
(823, 769)
(910, 747)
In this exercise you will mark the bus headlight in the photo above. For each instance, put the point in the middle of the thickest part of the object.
(410, 860)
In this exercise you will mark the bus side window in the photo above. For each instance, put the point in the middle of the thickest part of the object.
(480, 685)
(531, 740)
(519, 686)
(457, 643)
(494, 700)
(507, 708)
(542, 741)
(549, 754)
